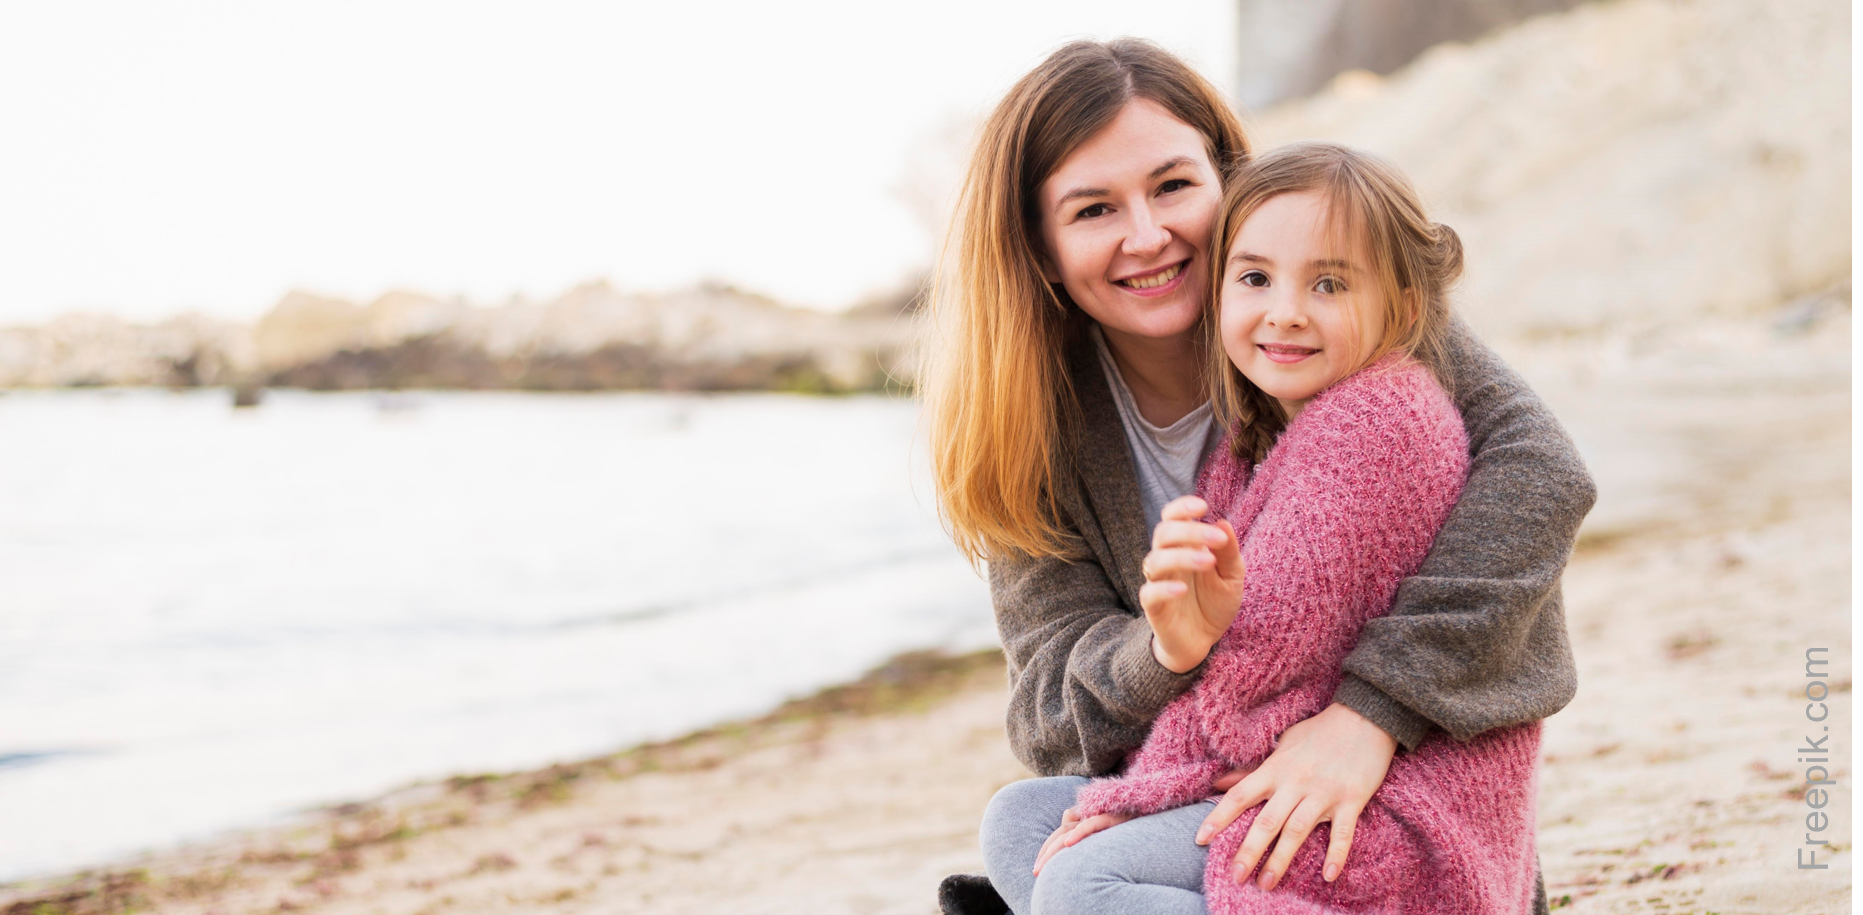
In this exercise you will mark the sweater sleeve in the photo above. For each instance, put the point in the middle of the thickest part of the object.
(1349, 513)
(1476, 639)
(1084, 686)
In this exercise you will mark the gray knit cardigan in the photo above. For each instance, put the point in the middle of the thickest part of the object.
(1476, 639)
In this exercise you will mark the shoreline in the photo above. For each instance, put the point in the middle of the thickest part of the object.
(336, 839)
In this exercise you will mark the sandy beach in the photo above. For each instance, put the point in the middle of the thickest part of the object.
(1657, 192)
(1719, 553)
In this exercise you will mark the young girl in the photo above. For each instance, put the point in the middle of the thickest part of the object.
(1343, 460)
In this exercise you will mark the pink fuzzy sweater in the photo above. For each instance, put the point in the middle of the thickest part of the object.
(1344, 507)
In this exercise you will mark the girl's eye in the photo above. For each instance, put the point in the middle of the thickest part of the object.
(1329, 285)
(1175, 184)
(1253, 278)
(1098, 209)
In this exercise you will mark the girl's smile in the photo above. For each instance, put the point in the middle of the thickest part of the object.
(1297, 312)
(1286, 354)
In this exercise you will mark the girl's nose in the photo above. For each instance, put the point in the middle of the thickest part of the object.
(1285, 312)
(1147, 237)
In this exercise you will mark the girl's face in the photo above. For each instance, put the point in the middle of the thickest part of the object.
(1125, 220)
(1299, 310)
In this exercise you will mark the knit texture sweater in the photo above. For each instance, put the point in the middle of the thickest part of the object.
(1476, 639)
(1343, 508)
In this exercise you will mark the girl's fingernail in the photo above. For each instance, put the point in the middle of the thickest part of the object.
(1332, 872)
(1267, 880)
(1203, 834)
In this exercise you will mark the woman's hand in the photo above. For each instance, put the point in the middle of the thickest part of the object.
(1324, 769)
(1072, 830)
(1193, 583)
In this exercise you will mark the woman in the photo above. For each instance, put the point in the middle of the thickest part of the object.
(1067, 406)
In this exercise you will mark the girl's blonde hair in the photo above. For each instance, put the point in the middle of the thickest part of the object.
(1416, 261)
(997, 396)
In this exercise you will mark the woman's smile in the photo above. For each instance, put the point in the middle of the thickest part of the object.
(1125, 218)
(1161, 281)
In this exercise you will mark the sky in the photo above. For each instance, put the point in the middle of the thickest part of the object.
(202, 156)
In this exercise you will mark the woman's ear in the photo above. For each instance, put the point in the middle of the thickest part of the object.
(1048, 271)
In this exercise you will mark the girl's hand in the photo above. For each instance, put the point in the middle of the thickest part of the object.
(1193, 583)
(1072, 830)
(1324, 769)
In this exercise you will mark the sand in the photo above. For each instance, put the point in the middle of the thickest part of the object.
(1719, 552)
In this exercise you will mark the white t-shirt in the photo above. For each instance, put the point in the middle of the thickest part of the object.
(1167, 459)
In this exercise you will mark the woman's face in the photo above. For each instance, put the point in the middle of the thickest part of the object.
(1125, 221)
(1299, 311)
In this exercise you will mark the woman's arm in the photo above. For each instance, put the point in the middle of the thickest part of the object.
(1084, 685)
(1476, 639)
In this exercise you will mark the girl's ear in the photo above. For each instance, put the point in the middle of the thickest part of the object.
(1412, 304)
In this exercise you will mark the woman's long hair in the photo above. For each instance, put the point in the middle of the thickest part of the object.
(1415, 261)
(997, 396)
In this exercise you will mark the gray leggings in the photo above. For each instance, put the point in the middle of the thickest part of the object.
(1146, 866)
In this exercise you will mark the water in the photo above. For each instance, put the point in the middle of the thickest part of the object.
(211, 618)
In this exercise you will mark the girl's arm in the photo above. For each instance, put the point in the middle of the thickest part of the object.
(1356, 504)
(1084, 685)
(1476, 639)
(1360, 489)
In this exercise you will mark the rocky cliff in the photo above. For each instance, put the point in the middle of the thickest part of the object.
(1626, 165)
(592, 337)
(1291, 50)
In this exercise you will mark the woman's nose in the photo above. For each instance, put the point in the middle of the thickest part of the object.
(1147, 237)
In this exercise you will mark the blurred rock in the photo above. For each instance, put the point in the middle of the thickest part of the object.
(303, 326)
(83, 350)
(591, 338)
(1293, 49)
(1622, 166)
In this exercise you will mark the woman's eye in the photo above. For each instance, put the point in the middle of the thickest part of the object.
(1329, 286)
(1253, 278)
(1098, 209)
(1175, 184)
